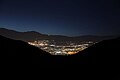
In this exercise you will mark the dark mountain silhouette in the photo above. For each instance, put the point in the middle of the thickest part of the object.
(20, 52)
(32, 36)
(24, 36)
(98, 61)
(104, 57)
(102, 51)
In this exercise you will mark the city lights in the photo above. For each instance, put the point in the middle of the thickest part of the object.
(68, 48)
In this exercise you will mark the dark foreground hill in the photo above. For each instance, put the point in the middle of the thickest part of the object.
(16, 51)
(107, 51)
(100, 60)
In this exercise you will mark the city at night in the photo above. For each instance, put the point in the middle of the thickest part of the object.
(62, 34)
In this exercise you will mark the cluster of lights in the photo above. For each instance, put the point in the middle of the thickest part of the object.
(60, 49)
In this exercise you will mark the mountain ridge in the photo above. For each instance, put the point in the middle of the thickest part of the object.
(33, 35)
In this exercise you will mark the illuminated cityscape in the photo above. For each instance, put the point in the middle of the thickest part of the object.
(59, 48)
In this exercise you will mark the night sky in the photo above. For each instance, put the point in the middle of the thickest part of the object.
(62, 17)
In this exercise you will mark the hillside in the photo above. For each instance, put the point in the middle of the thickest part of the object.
(19, 52)
(107, 50)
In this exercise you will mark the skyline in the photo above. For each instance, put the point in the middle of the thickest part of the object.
(61, 17)
(32, 31)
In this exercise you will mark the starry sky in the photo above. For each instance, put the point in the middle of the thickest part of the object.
(62, 17)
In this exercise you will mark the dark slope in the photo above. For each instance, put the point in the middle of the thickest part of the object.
(107, 50)
(103, 59)
(20, 52)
